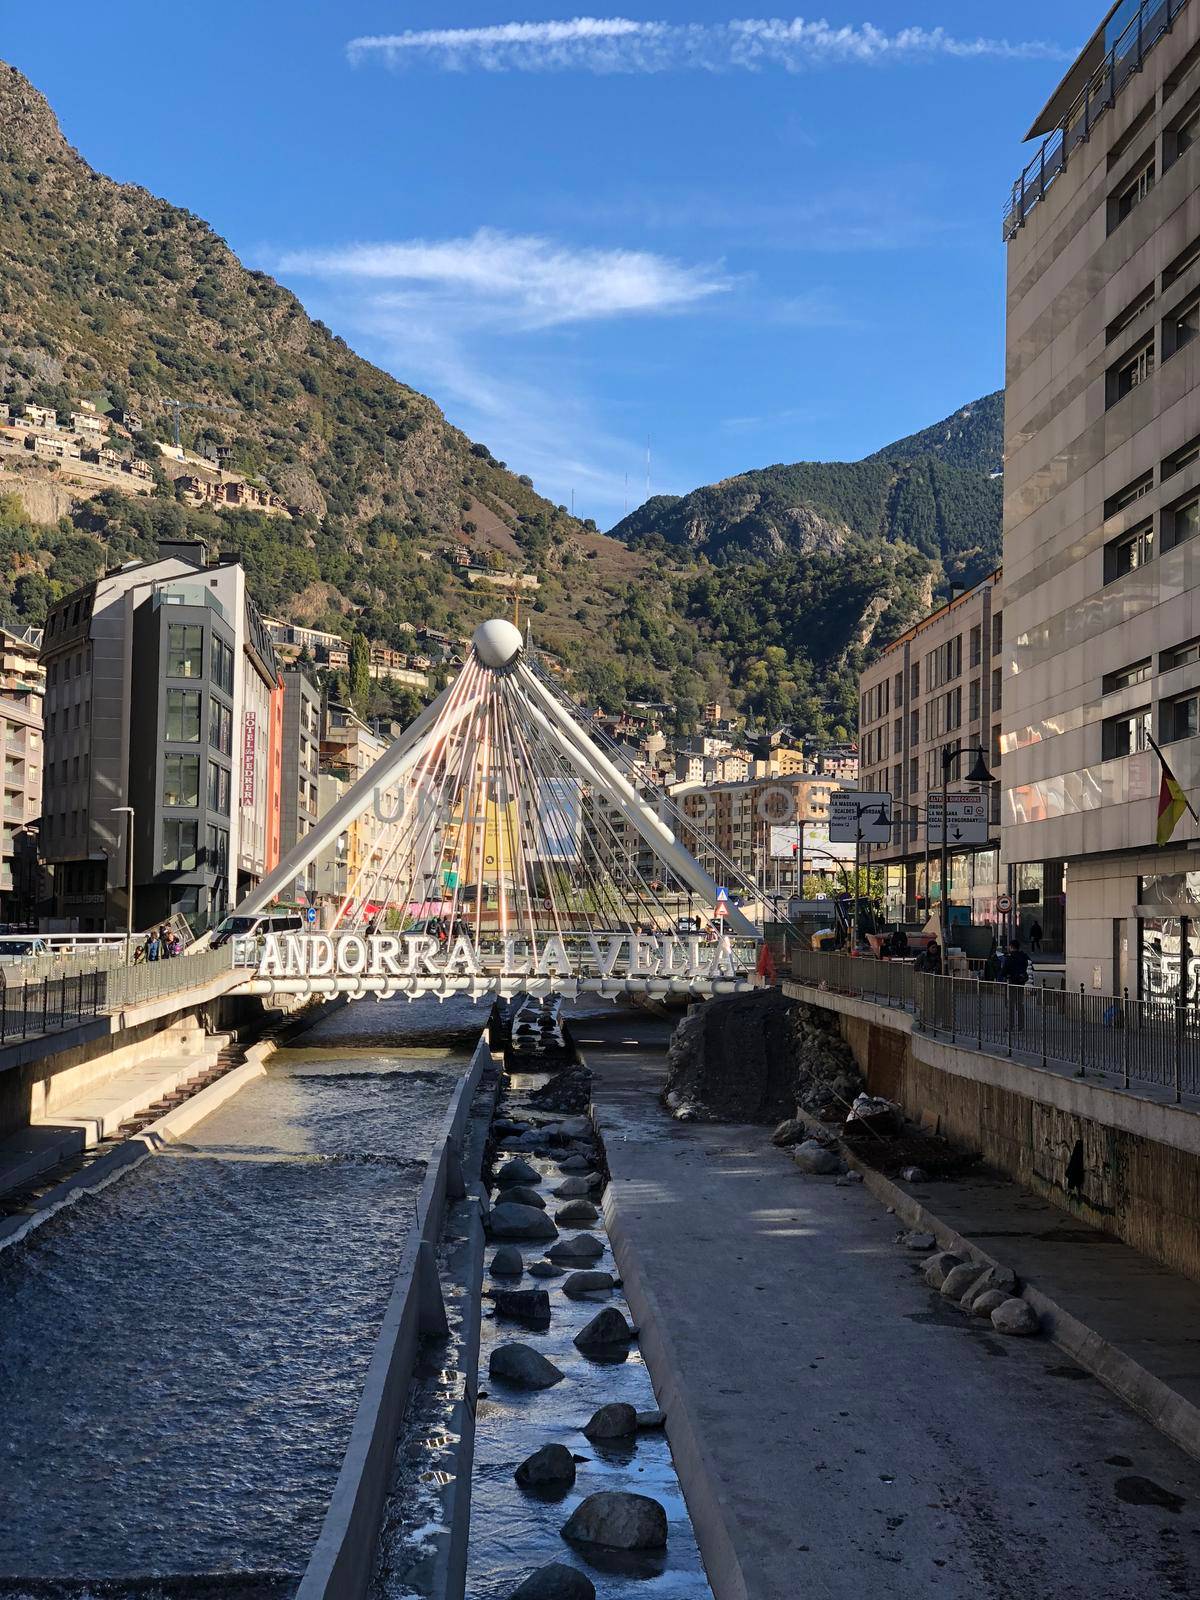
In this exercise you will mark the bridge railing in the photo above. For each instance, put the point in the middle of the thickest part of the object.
(32, 1005)
(1152, 1042)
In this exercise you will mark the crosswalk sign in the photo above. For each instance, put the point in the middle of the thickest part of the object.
(721, 908)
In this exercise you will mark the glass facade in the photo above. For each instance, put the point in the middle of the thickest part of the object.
(1167, 940)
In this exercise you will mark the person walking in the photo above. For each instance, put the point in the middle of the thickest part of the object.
(1016, 976)
(152, 945)
(1035, 936)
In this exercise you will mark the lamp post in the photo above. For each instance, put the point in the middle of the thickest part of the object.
(127, 811)
(951, 754)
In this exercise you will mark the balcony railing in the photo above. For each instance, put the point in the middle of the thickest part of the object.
(1124, 59)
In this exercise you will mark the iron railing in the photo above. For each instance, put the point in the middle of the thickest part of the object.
(32, 1005)
(1125, 57)
(1151, 1042)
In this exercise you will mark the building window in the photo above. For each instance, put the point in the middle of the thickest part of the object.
(1126, 496)
(1130, 551)
(185, 650)
(914, 688)
(1180, 718)
(1182, 134)
(1178, 459)
(218, 788)
(976, 703)
(976, 644)
(897, 736)
(179, 844)
(897, 778)
(1131, 371)
(183, 716)
(222, 664)
(914, 775)
(1125, 677)
(1131, 313)
(181, 780)
(218, 852)
(1131, 194)
(1125, 735)
(1181, 522)
(997, 631)
(1182, 326)
(898, 689)
(997, 689)
(1183, 262)
(220, 728)
(1181, 655)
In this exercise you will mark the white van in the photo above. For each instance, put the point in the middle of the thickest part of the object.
(257, 925)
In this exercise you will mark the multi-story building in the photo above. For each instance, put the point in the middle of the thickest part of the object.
(937, 685)
(22, 684)
(156, 674)
(348, 750)
(755, 824)
(300, 806)
(1101, 656)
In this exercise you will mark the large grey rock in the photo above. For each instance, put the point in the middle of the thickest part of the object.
(936, 1268)
(582, 1283)
(815, 1158)
(577, 1213)
(793, 1131)
(551, 1465)
(581, 1247)
(523, 1305)
(517, 1171)
(613, 1421)
(959, 1280)
(577, 1188)
(1002, 1278)
(520, 1222)
(507, 1262)
(1016, 1317)
(576, 1127)
(915, 1240)
(651, 1419)
(575, 1163)
(545, 1269)
(982, 1305)
(606, 1329)
(520, 1194)
(556, 1582)
(618, 1521)
(522, 1365)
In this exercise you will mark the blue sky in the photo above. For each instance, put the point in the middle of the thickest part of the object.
(746, 243)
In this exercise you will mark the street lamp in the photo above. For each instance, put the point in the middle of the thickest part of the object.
(127, 811)
(951, 754)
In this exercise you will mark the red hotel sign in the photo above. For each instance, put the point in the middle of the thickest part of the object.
(249, 753)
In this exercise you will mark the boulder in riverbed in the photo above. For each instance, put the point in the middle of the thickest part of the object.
(520, 1194)
(581, 1247)
(549, 1467)
(520, 1222)
(507, 1263)
(583, 1283)
(545, 1269)
(523, 1366)
(577, 1213)
(576, 1188)
(618, 1521)
(517, 1171)
(523, 1305)
(607, 1329)
(613, 1421)
(556, 1582)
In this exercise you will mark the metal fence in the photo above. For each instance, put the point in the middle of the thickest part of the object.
(1152, 1042)
(32, 1005)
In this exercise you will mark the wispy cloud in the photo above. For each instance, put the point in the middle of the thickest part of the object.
(619, 44)
(522, 280)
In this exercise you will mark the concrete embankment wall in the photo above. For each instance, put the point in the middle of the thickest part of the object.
(1122, 1162)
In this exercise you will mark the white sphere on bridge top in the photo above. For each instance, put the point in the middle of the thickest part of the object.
(497, 643)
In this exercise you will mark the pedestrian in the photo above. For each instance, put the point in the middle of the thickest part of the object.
(993, 966)
(1016, 976)
(1035, 936)
(930, 959)
(164, 943)
(152, 947)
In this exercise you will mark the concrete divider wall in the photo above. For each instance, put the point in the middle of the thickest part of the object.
(343, 1558)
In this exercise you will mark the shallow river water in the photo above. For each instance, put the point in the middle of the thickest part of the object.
(181, 1353)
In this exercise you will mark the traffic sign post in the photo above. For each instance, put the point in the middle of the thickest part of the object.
(860, 816)
(310, 915)
(966, 819)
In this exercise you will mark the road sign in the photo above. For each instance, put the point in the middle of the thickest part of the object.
(310, 915)
(721, 907)
(858, 815)
(967, 819)
(1004, 904)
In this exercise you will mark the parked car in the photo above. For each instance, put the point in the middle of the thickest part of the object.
(257, 925)
(15, 948)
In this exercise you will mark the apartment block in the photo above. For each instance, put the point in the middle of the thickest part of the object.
(1101, 654)
(22, 684)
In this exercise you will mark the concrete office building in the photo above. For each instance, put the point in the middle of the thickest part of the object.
(937, 684)
(1102, 496)
(22, 684)
(300, 801)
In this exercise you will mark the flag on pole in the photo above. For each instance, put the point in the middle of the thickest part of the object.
(1172, 802)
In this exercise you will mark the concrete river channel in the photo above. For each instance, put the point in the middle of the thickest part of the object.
(181, 1352)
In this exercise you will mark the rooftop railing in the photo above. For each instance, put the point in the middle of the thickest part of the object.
(1123, 60)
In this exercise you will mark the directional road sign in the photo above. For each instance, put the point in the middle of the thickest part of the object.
(967, 820)
(310, 914)
(857, 815)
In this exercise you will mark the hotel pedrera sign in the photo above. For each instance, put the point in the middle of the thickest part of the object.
(421, 956)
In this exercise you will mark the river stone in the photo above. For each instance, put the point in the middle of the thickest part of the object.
(1001, 1278)
(574, 1164)
(507, 1263)
(523, 1366)
(618, 1521)
(556, 1582)
(793, 1131)
(545, 1269)
(573, 1189)
(506, 1128)
(581, 1283)
(517, 1171)
(520, 1194)
(582, 1247)
(552, 1464)
(1016, 1317)
(651, 1419)
(575, 1127)
(613, 1421)
(982, 1305)
(520, 1222)
(526, 1305)
(813, 1157)
(607, 1327)
(960, 1279)
(577, 1213)
(914, 1240)
(936, 1268)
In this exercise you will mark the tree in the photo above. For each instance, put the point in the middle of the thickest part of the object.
(360, 673)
